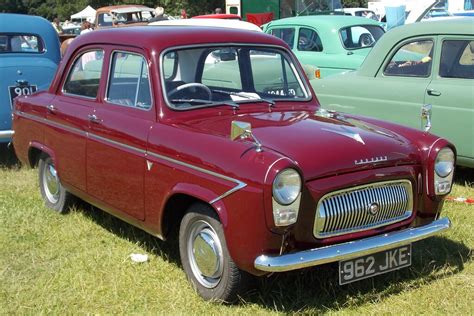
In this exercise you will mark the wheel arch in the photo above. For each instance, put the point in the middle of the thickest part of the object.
(35, 150)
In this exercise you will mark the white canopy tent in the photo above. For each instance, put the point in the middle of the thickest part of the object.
(87, 14)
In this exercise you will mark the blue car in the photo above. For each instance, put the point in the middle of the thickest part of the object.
(29, 56)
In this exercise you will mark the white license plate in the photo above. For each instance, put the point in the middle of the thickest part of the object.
(16, 91)
(371, 265)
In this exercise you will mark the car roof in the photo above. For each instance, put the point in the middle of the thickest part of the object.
(325, 21)
(237, 24)
(453, 26)
(163, 37)
(124, 8)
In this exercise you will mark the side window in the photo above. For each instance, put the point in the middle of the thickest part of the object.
(309, 41)
(286, 34)
(272, 75)
(170, 65)
(129, 82)
(412, 60)
(221, 69)
(105, 19)
(83, 78)
(457, 59)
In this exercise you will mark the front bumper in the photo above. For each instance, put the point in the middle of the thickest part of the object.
(349, 250)
(6, 134)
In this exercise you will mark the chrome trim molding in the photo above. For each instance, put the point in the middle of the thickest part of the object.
(371, 160)
(363, 207)
(349, 250)
(239, 184)
(6, 134)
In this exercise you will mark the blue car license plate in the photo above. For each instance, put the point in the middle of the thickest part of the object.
(16, 91)
(371, 265)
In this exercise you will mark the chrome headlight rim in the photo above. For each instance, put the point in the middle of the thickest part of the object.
(285, 190)
(444, 162)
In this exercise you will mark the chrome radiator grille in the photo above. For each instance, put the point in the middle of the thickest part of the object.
(363, 207)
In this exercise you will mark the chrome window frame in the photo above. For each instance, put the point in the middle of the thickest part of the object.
(106, 100)
(284, 51)
(72, 67)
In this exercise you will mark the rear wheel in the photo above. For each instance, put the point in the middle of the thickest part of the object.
(52, 191)
(205, 257)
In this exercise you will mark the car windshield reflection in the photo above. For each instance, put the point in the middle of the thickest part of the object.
(209, 76)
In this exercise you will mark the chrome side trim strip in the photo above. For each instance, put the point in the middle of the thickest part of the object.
(6, 134)
(239, 184)
(349, 250)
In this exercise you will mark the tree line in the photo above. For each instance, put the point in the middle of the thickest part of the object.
(63, 9)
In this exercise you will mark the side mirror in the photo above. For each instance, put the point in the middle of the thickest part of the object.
(240, 129)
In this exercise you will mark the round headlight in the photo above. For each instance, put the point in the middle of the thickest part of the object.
(286, 186)
(444, 164)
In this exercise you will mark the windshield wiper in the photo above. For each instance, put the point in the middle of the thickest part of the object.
(250, 99)
(205, 102)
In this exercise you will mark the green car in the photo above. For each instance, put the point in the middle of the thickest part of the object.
(333, 43)
(419, 75)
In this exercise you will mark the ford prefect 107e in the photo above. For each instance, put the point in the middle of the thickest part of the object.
(217, 133)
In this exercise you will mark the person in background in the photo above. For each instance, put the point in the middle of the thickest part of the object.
(218, 11)
(159, 15)
(183, 14)
(57, 26)
(86, 27)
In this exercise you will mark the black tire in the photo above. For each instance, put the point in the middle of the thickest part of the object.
(54, 195)
(226, 281)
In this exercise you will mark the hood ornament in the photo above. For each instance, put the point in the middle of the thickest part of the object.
(346, 132)
(371, 160)
(243, 130)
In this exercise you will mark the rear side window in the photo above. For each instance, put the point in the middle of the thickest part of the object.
(286, 34)
(412, 60)
(457, 59)
(83, 78)
(21, 43)
(309, 41)
(129, 83)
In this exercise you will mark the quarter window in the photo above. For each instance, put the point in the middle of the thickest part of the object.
(286, 34)
(309, 41)
(412, 60)
(129, 83)
(83, 78)
(457, 59)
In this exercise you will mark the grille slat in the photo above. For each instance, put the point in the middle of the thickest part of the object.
(348, 211)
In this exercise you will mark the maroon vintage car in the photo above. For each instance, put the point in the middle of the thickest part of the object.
(217, 133)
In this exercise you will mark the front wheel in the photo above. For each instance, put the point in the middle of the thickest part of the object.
(205, 257)
(52, 191)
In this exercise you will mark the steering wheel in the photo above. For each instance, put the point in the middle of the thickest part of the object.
(192, 85)
(366, 40)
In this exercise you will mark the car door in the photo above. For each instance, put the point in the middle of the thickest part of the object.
(68, 112)
(118, 135)
(395, 92)
(451, 95)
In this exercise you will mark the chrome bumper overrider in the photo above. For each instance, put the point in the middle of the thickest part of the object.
(349, 250)
(6, 134)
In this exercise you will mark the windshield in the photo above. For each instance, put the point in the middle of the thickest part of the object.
(230, 75)
(360, 36)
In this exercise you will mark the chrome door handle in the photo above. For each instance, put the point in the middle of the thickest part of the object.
(94, 119)
(434, 93)
(51, 108)
(426, 115)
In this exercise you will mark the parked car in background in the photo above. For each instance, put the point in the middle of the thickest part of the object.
(332, 43)
(216, 132)
(123, 15)
(362, 12)
(29, 55)
(420, 75)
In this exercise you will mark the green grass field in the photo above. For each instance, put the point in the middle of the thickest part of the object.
(79, 263)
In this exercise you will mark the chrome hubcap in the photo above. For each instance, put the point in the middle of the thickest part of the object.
(205, 254)
(51, 183)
